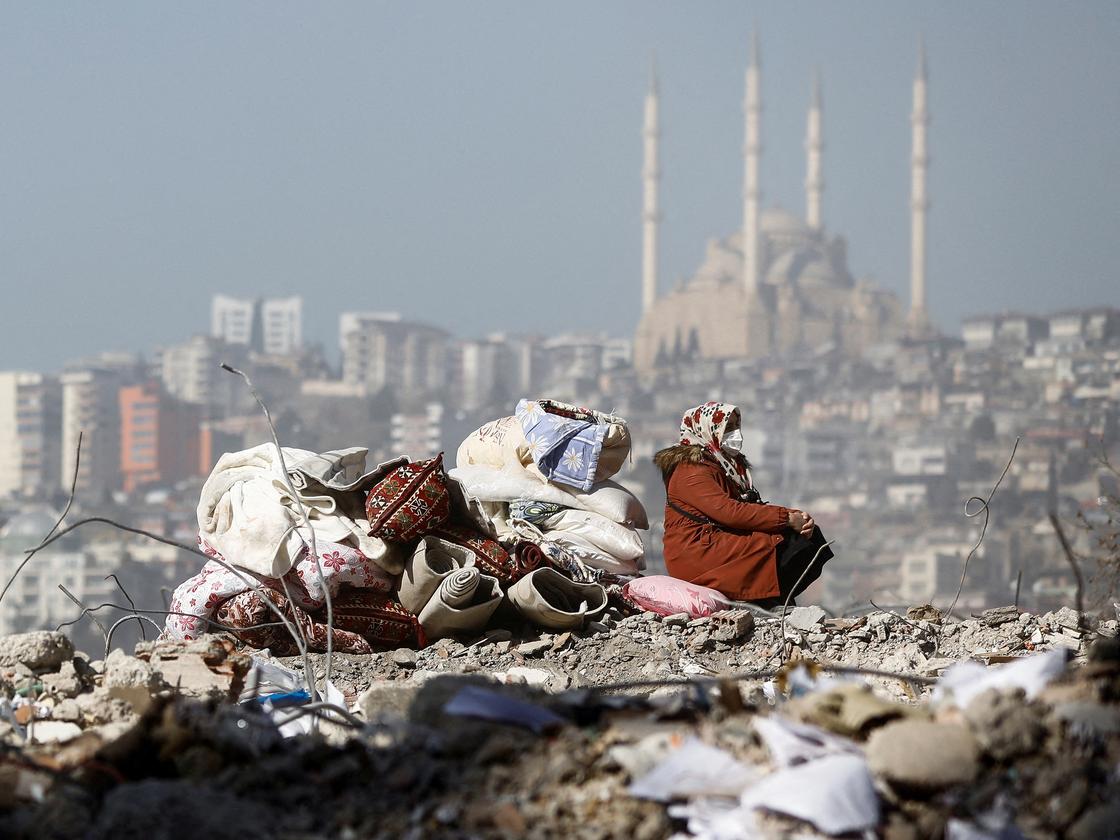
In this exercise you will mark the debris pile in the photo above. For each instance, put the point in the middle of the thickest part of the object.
(511, 736)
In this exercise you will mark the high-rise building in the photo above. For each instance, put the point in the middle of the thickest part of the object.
(380, 350)
(159, 437)
(192, 372)
(417, 434)
(91, 410)
(30, 433)
(231, 319)
(281, 325)
(273, 325)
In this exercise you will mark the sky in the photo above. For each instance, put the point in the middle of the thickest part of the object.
(477, 165)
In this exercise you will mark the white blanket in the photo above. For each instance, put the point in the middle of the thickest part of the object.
(247, 513)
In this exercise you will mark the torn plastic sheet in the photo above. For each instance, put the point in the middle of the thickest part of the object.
(717, 819)
(694, 769)
(793, 743)
(965, 680)
(267, 677)
(477, 702)
(290, 725)
(836, 794)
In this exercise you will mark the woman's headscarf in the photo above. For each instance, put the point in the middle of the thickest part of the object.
(706, 426)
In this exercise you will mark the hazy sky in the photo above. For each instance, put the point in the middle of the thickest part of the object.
(477, 164)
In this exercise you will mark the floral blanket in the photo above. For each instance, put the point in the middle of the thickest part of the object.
(565, 442)
(365, 614)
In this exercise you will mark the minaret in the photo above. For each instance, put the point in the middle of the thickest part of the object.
(919, 203)
(752, 147)
(814, 179)
(651, 174)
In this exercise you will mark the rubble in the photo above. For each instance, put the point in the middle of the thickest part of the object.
(38, 651)
(474, 737)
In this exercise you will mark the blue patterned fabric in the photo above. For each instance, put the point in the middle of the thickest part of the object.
(564, 446)
(533, 511)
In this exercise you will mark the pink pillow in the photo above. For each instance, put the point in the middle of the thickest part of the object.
(668, 596)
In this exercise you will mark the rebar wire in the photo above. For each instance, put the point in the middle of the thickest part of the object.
(306, 520)
(746, 676)
(789, 597)
(81, 606)
(122, 620)
(47, 539)
(192, 550)
(128, 598)
(986, 510)
(107, 605)
(318, 708)
(1073, 565)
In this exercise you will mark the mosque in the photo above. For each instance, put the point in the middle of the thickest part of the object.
(781, 284)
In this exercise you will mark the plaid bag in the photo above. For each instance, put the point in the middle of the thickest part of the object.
(409, 501)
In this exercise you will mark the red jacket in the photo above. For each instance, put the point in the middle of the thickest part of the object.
(738, 559)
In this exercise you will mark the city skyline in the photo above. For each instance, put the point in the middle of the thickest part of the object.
(420, 190)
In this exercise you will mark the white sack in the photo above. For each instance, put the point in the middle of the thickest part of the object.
(608, 499)
(594, 531)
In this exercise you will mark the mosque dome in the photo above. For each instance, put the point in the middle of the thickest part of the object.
(781, 223)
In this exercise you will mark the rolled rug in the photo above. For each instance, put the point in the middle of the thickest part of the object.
(430, 564)
(546, 597)
(529, 556)
(462, 604)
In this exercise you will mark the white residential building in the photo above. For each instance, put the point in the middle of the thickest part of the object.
(192, 371)
(281, 325)
(30, 433)
(273, 325)
(231, 319)
(380, 350)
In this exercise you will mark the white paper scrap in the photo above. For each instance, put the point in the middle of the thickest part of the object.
(694, 769)
(965, 680)
(836, 794)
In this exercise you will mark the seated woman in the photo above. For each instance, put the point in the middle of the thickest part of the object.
(718, 532)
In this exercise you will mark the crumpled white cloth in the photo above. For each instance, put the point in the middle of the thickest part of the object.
(248, 515)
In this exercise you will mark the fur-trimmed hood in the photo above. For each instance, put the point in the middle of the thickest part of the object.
(671, 457)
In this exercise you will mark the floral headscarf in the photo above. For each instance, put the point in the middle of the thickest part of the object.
(706, 426)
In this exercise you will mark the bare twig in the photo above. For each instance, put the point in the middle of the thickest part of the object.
(1073, 565)
(986, 510)
(303, 514)
(47, 539)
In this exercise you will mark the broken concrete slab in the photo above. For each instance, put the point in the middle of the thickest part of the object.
(132, 680)
(207, 667)
(40, 650)
(805, 618)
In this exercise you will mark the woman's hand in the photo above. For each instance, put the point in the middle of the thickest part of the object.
(801, 522)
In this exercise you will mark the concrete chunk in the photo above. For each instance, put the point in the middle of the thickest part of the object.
(805, 618)
(922, 755)
(41, 650)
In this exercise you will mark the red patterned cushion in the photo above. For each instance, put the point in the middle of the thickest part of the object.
(409, 501)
